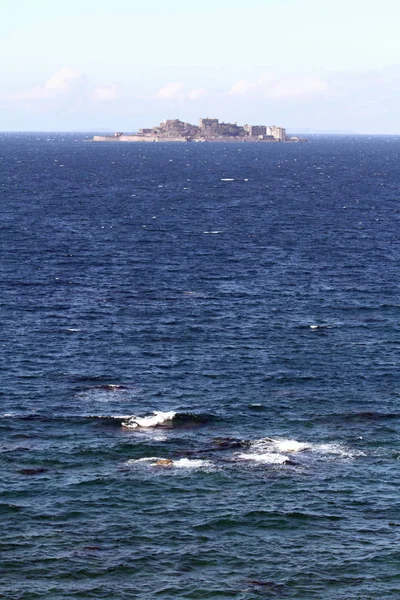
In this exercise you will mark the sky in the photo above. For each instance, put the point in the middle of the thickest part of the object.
(117, 65)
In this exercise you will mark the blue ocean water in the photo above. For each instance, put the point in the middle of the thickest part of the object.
(231, 310)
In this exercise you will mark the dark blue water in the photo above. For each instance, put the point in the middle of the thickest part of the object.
(250, 295)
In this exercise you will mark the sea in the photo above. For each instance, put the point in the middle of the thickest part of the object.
(199, 369)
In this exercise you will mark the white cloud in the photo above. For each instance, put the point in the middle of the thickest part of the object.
(67, 86)
(175, 90)
(62, 83)
(197, 93)
(64, 80)
(289, 86)
(244, 86)
(296, 87)
(171, 91)
(105, 94)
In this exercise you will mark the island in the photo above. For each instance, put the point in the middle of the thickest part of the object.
(208, 130)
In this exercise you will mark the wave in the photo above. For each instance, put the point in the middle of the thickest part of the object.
(281, 447)
(166, 419)
(129, 421)
(264, 451)
(181, 463)
(9, 508)
(158, 418)
(267, 458)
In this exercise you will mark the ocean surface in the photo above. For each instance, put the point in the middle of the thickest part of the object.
(199, 369)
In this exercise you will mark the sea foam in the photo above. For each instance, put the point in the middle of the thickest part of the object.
(266, 458)
(158, 418)
(282, 446)
(162, 462)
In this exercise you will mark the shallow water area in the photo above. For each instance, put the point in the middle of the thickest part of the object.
(200, 395)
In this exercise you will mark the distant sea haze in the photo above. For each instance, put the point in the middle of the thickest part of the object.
(199, 369)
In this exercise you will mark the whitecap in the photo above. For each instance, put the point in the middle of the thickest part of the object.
(290, 446)
(328, 450)
(266, 458)
(158, 418)
(337, 450)
(106, 417)
(279, 445)
(133, 461)
(186, 463)
(182, 463)
(227, 179)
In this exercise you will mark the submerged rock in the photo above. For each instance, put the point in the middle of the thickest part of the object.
(33, 471)
(163, 462)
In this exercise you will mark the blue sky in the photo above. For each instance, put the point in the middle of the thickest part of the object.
(123, 64)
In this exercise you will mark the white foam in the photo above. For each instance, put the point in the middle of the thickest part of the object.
(182, 463)
(186, 463)
(333, 450)
(280, 445)
(290, 446)
(268, 457)
(158, 418)
(337, 450)
(227, 179)
(132, 461)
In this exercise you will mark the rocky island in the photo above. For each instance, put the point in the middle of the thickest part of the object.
(208, 130)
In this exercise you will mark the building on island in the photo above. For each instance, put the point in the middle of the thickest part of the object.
(267, 132)
(279, 133)
(208, 130)
(256, 130)
(207, 122)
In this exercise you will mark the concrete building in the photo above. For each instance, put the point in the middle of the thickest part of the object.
(279, 133)
(256, 130)
(203, 123)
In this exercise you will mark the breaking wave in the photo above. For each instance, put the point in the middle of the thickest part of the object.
(281, 451)
(166, 419)
(158, 418)
(181, 463)
(267, 458)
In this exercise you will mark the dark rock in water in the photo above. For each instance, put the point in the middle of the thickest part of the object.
(37, 471)
(227, 443)
(218, 444)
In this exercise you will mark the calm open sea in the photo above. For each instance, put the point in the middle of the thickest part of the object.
(233, 309)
